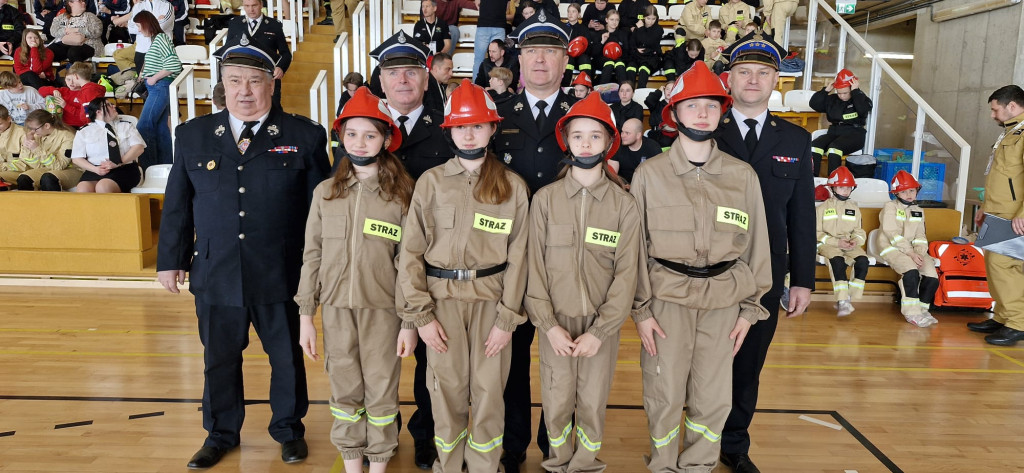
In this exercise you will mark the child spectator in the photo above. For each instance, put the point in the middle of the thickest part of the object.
(582, 86)
(431, 31)
(610, 56)
(579, 59)
(734, 15)
(596, 14)
(633, 13)
(847, 111)
(352, 82)
(19, 99)
(645, 48)
(681, 58)
(109, 9)
(11, 137)
(840, 238)
(584, 252)
(693, 22)
(44, 161)
(76, 95)
(108, 149)
(501, 79)
(33, 62)
(626, 108)
(12, 24)
(713, 46)
(904, 247)
(750, 28)
(219, 99)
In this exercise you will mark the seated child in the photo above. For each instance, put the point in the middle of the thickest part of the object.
(79, 92)
(18, 98)
(11, 136)
(582, 85)
(904, 247)
(44, 161)
(713, 47)
(840, 238)
(500, 79)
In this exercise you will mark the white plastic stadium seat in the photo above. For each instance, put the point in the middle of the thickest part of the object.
(407, 28)
(870, 192)
(714, 11)
(411, 7)
(155, 180)
(563, 10)
(639, 95)
(462, 64)
(662, 11)
(675, 11)
(192, 54)
(194, 26)
(799, 100)
(775, 102)
(819, 132)
(467, 35)
(109, 48)
(872, 246)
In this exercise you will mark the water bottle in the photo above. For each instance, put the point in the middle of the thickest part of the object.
(120, 45)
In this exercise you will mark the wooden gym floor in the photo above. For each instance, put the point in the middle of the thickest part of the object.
(109, 380)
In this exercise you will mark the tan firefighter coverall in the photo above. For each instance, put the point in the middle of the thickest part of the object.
(841, 220)
(698, 217)
(694, 20)
(1004, 197)
(900, 233)
(777, 12)
(584, 252)
(49, 156)
(739, 12)
(448, 228)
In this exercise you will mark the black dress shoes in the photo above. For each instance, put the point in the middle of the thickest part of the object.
(739, 462)
(511, 460)
(426, 453)
(206, 457)
(985, 326)
(294, 451)
(1005, 337)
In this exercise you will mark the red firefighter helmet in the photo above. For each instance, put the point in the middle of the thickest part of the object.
(578, 46)
(725, 79)
(902, 181)
(843, 79)
(590, 107)
(696, 82)
(612, 50)
(583, 79)
(841, 177)
(366, 105)
(469, 105)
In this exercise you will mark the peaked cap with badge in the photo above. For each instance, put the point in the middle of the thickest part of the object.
(401, 50)
(755, 48)
(542, 30)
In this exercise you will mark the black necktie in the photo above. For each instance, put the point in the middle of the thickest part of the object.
(245, 137)
(401, 124)
(113, 150)
(541, 116)
(751, 138)
(255, 24)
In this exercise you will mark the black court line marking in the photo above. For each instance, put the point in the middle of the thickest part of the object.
(861, 438)
(148, 414)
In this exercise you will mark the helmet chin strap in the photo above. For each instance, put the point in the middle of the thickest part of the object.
(842, 198)
(470, 154)
(696, 135)
(906, 202)
(584, 162)
(359, 160)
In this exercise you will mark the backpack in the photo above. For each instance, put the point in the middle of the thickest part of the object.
(962, 275)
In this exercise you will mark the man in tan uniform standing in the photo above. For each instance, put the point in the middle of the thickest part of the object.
(776, 12)
(1004, 194)
(694, 21)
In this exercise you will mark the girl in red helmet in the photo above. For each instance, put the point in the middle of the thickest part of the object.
(840, 240)
(708, 266)
(847, 110)
(353, 233)
(584, 251)
(463, 274)
(607, 49)
(904, 247)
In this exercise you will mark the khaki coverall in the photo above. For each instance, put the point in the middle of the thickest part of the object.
(841, 220)
(10, 144)
(1004, 195)
(698, 217)
(349, 266)
(710, 48)
(584, 251)
(341, 15)
(694, 20)
(901, 232)
(778, 11)
(739, 12)
(48, 157)
(448, 228)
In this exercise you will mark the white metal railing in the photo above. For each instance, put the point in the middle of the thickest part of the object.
(217, 42)
(388, 27)
(318, 110)
(341, 51)
(186, 76)
(375, 26)
(881, 70)
(359, 52)
(313, 6)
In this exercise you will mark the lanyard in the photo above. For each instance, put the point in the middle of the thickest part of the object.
(1004, 133)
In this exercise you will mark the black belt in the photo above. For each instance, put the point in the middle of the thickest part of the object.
(464, 274)
(696, 272)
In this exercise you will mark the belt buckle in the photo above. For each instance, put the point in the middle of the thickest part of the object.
(465, 274)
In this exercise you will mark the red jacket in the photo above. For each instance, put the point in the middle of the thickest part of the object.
(34, 64)
(75, 101)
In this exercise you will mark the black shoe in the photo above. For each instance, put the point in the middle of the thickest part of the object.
(511, 461)
(426, 453)
(294, 451)
(206, 457)
(739, 462)
(985, 326)
(1006, 337)
(327, 22)
(336, 38)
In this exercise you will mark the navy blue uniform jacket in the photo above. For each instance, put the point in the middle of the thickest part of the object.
(532, 153)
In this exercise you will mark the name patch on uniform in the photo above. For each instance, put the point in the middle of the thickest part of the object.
(9, 27)
(733, 216)
(829, 214)
(491, 224)
(601, 237)
(849, 116)
(916, 214)
(382, 229)
(851, 212)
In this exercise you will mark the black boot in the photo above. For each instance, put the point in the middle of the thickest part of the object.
(49, 182)
(26, 183)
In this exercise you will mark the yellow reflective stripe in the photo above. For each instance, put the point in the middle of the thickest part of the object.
(859, 237)
(658, 443)
(645, 68)
(909, 301)
(568, 67)
(381, 420)
(835, 151)
(840, 286)
(485, 447)
(896, 239)
(560, 440)
(47, 160)
(334, 144)
(630, 69)
(586, 442)
(342, 415)
(849, 218)
(887, 250)
(857, 284)
(585, 67)
(919, 241)
(815, 150)
(703, 430)
(29, 159)
(829, 217)
(824, 238)
(448, 447)
(668, 71)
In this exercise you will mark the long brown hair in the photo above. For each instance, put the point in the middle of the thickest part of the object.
(42, 117)
(394, 180)
(24, 56)
(494, 186)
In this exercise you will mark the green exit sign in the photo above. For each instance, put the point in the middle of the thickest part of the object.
(846, 7)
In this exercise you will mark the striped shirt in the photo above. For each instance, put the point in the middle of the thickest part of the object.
(161, 57)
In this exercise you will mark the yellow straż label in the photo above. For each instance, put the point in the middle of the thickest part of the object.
(491, 224)
(382, 229)
(733, 216)
(601, 237)
(849, 116)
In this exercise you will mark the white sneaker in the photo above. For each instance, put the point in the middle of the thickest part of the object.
(928, 315)
(844, 308)
(920, 320)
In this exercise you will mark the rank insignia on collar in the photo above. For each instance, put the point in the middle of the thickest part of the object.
(727, 120)
(508, 158)
(773, 122)
(564, 105)
(427, 119)
(272, 129)
(219, 131)
(518, 107)
(211, 165)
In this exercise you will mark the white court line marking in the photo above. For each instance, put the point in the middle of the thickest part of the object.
(849, 471)
(821, 422)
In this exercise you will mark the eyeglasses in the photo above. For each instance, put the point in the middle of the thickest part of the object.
(33, 130)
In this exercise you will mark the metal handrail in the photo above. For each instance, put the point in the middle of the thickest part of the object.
(215, 44)
(359, 51)
(187, 72)
(375, 26)
(341, 51)
(318, 100)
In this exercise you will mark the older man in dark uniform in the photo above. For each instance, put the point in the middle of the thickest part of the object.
(253, 28)
(780, 153)
(234, 217)
(526, 143)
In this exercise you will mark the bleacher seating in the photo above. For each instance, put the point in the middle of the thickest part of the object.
(799, 100)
